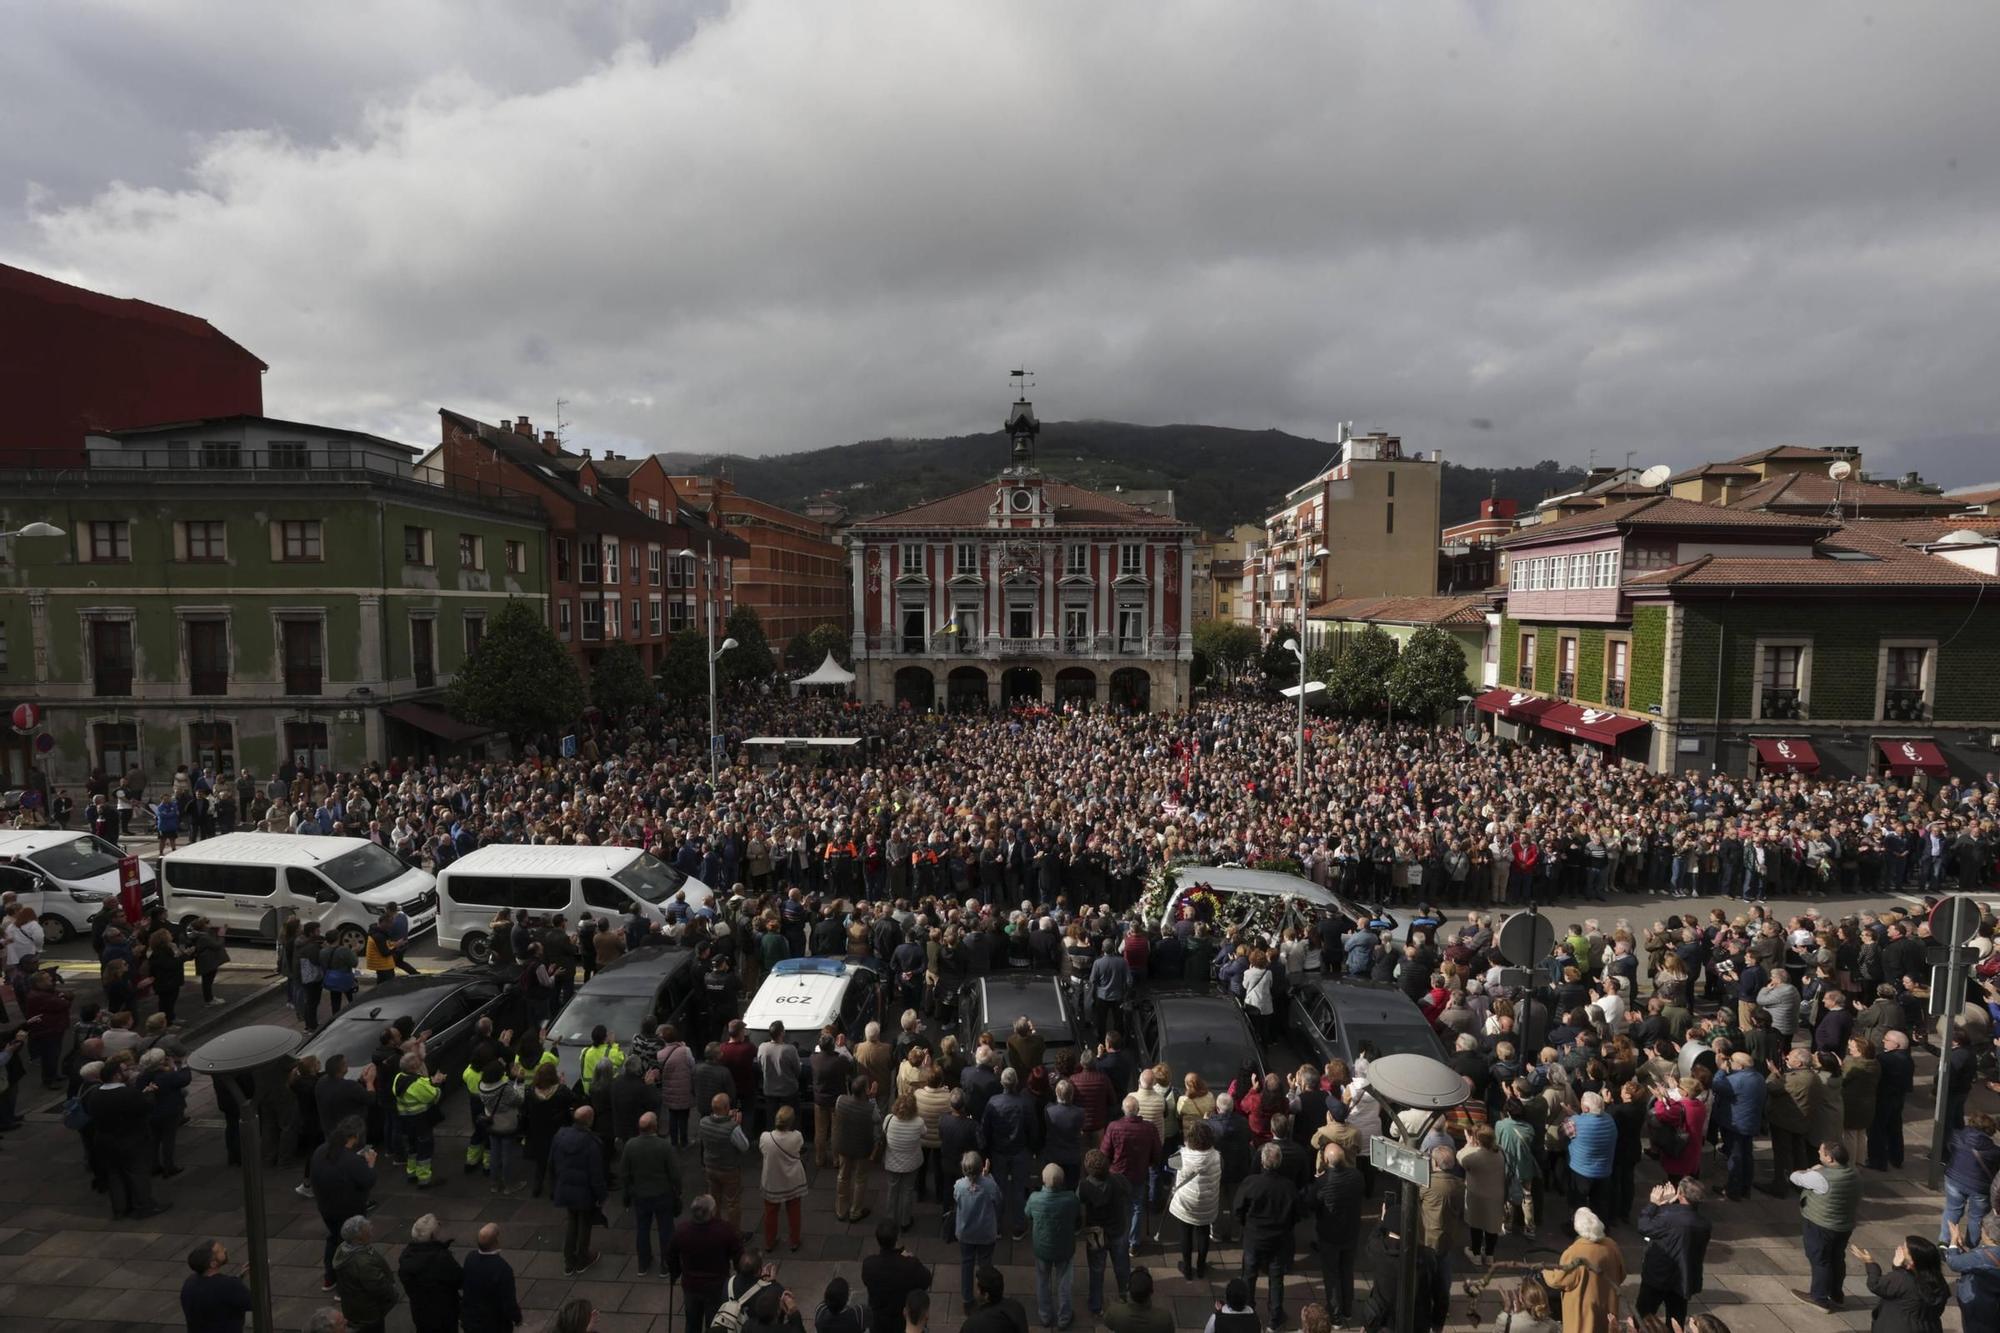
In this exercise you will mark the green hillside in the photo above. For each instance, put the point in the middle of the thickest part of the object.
(1219, 475)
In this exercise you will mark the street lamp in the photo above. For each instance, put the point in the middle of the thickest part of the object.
(1299, 783)
(707, 558)
(239, 1061)
(1417, 1083)
(37, 529)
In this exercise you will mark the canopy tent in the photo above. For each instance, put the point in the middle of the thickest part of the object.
(1312, 687)
(829, 674)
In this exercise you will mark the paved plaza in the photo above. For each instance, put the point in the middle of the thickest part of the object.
(65, 1265)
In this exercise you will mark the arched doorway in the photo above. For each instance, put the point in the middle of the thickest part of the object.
(1076, 685)
(965, 690)
(1131, 689)
(1021, 685)
(915, 689)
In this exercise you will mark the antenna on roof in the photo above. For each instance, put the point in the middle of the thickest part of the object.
(561, 403)
(1652, 476)
(1840, 472)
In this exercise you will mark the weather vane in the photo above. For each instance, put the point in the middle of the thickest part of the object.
(1024, 380)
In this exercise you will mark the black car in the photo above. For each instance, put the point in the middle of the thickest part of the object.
(993, 1003)
(1206, 1034)
(646, 985)
(448, 1006)
(1336, 1017)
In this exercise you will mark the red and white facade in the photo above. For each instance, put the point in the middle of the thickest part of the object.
(1027, 590)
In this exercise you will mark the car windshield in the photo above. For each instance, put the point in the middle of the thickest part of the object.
(651, 878)
(79, 858)
(622, 1015)
(366, 867)
(1038, 1003)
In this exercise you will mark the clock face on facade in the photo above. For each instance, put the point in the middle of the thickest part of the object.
(1023, 501)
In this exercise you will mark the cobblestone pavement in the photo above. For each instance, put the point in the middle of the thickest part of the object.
(65, 1265)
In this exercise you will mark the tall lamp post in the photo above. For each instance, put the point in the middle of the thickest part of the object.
(237, 1061)
(1417, 1083)
(715, 652)
(1299, 774)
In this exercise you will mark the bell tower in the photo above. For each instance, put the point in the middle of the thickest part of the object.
(1022, 428)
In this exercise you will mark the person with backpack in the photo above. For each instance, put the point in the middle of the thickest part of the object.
(500, 1100)
(337, 976)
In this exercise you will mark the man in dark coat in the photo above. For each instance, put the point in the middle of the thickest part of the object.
(213, 1301)
(430, 1275)
(1676, 1243)
(889, 1277)
(578, 1186)
(488, 1301)
(1432, 1293)
(1336, 1201)
(1267, 1208)
(700, 1254)
(342, 1173)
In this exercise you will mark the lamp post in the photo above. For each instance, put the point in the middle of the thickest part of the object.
(1299, 778)
(707, 558)
(237, 1061)
(1420, 1083)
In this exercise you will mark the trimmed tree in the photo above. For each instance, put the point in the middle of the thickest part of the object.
(751, 659)
(1429, 674)
(683, 675)
(520, 679)
(1359, 677)
(829, 638)
(798, 651)
(618, 684)
(1228, 646)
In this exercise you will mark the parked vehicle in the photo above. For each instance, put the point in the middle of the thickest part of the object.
(625, 997)
(65, 875)
(244, 883)
(1339, 1016)
(1208, 1034)
(1240, 892)
(993, 1003)
(609, 881)
(448, 1006)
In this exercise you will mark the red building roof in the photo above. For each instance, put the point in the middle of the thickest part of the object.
(1075, 507)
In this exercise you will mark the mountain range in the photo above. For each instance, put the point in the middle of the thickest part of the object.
(1220, 475)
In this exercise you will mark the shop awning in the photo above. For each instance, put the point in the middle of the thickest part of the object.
(1517, 705)
(435, 722)
(1905, 757)
(1600, 725)
(1786, 754)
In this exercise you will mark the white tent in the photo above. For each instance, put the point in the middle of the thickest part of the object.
(829, 672)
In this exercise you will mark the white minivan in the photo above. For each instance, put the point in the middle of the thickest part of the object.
(65, 875)
(242, 881)
(547, 879)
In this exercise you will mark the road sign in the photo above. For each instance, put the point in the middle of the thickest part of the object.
(1525, 938)
(1954, 920)
(715, 746)
(569, 746)
(1403, 1163)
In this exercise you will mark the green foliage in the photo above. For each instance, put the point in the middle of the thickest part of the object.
(1279, 666)
(618, 684)
(1429, 674)
(751, 659)
(798, 653)
(1228, 646)
(1199, 669)
(829, 638)
(520, 679)
(684, 669)
(1203, 464)
(1649, 654)
(1359, 678)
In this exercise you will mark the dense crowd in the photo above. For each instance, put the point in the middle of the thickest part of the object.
(958, 845)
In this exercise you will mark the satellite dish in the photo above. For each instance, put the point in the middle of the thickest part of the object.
(1841, 471)
(1655, 474)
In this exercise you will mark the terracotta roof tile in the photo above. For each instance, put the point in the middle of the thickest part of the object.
(1813, 490)
(1788, 453)
(1871, 560)
(1450, 612)
(1666, 511)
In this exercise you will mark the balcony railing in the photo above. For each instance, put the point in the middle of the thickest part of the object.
(1903, 705)
(1781, 702)
(1614, 692)
(593, 633)
(1002, 647)
(1565, 684)
(1525, 678)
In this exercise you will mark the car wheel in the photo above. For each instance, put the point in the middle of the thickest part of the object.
(55, 930)
(354, 937)
(477, 948)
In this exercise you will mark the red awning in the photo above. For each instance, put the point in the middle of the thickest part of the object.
(1786, 754)
(1593, 724)
(1904, 757)
(1517, 705)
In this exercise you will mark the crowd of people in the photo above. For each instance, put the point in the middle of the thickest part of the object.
(1678, 1049)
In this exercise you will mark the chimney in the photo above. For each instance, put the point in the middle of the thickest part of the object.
(549, 440)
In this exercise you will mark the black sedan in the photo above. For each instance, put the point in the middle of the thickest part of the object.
(647, 986)
(448, 1006)
(993, 1003)
(1338, 1017)
(1206, 1034)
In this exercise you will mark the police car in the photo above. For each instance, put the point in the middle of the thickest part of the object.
(806, 994)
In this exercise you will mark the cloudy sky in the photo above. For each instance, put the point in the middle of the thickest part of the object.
(1512, 232)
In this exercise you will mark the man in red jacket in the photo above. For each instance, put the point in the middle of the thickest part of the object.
(45, 1018)
(1134, 1147)
(701, 1254)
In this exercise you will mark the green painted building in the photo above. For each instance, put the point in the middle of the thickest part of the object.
(1685, 635)
(246, 592)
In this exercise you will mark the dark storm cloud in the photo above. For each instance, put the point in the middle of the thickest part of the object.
(1682, 231)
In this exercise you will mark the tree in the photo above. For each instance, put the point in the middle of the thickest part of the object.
(798, 653)
(1429, 675)
(829, 638)
(520, 679)
(1359, 678)
(1228, 646)
(1280, 668)
(751, 658)
(683, 675)
(618, 684)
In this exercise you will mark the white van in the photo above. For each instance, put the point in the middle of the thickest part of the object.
(65, 875)
(241, 882)
(545, 880)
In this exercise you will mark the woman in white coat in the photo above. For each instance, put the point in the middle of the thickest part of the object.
(1258, 984)
(1197, 1196)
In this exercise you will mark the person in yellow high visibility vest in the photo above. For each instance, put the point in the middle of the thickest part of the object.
(602, 1053)
(476, 1152)
(417, 1111)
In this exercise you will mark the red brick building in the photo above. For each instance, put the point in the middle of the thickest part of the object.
(617, 529)
(796, 574)
(73, 361)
